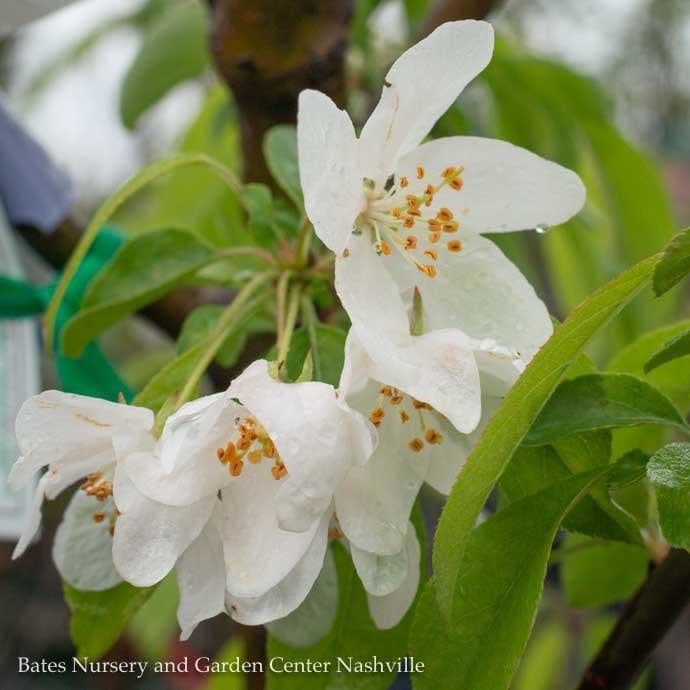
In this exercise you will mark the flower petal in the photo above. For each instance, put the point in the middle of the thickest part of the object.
(54, 428)
(380, 574)
(150, 536)
(290, 591)
(201, 578)
(437, 368)
(505, 187)
(317, 436)
(387, 611)
(258, 553)
(83, 546)
(313, 619)
(329, 168)
(419, 88)
(482, 293)
(373, 502)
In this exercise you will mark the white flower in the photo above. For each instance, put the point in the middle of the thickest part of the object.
(77, 437)
(415, 444)
(274, 453)
(400, 214)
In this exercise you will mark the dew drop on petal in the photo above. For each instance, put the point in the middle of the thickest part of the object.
(542, 228)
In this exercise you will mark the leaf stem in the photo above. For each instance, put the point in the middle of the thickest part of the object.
(233, 313)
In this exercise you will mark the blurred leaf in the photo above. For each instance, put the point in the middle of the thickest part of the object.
(98, 618)
(597, 573)
(173, 51)
(144, 269)
(514, 418)
(543, 666)
(201, 322)
(154, 625)
(669, 472)
(674, 265)
(415, 11)
(497, 593)
(353, 635)
(534, 468)
(634, 497)
(280, 151)
(169, 380)
(328, 348)
(230, 652)
(258, 201)
(672, 350)
(602, 401)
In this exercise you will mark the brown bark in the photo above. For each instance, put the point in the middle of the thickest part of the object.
(642, 625)
(267, 51)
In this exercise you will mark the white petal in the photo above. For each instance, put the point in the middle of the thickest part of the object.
(437, 368)
(317, 436)
(151, 536)
(186, 468)
(55, 428)
(201, 578)
(480, 292)
(420, 87)
(313, 619)
(380, 574)
(505, 187)
(374, 501)
(329, 168)
(388, 611)
(83, 548)
(258, 553)
(290, 591)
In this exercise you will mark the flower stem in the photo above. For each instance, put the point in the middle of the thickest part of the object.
(232, 314)
(311, 319)
(283, 344)
(304, 243)
(281, 301)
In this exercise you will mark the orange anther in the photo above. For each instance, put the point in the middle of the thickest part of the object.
(454, 246)
(432, 436)
(420, 172)
(416, 444)
(431, 253)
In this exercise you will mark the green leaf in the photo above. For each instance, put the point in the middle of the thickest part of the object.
(328, 348)
(534, 468)
(598, 573)
(672, 350)
(169, 380)
(674, 265)
(280, 151)
(98, 618)
(353, 635)
(514, 418)
(143, 270)
(669, 472)
(542, 666)
(497, 593)
(173, 51)
(258, 201)
(230, 653)
(602, 401)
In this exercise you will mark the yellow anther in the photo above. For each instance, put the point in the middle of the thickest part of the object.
(220, 454)
(412, 201)
(335, 533)
(409, 222)
(410, 242)
(269, 449)
(434, 236)
(419, 405)
(416, 444)
(427, 269)
(387, 391)
(414, 212)
(445, 215)
(236, 467)
(396, 399)
(420, 172)
(454, 246)
(404, 182)
(385, 248)
(396, 212)
(376, 416)
(456, 183)
(278, 470)
(404, 417)
(431, 253)
(451, 227)
(346, 253)
(255, 456)
(98, 517)
(432, 436)
(434, 223)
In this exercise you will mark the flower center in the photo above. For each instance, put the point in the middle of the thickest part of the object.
(252, 443)
(395, 404)
(400, 219)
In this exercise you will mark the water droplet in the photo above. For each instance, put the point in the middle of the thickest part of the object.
(542, 228)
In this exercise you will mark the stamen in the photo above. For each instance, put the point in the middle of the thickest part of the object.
(346, 253)
(419, 405)
(385, 248)
(98, 517)
(427, 269)
(416, 444)
(255, 456)
(335, 533)
(456, 183)
(454, 246)
(404, 417)
(451, 227)
(434, 236)
(410, 242)
(432, 436)
(420, 172)
(445, 215)
(404, 182)
(278, 470)
(376, 416)
(431, 253)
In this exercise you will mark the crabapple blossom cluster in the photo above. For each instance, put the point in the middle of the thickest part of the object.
(243, 490)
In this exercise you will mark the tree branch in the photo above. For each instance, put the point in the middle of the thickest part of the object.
(268, 51)
(642, 625)
(453, 10)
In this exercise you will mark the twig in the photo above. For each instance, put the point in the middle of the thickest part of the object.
(642, 625)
